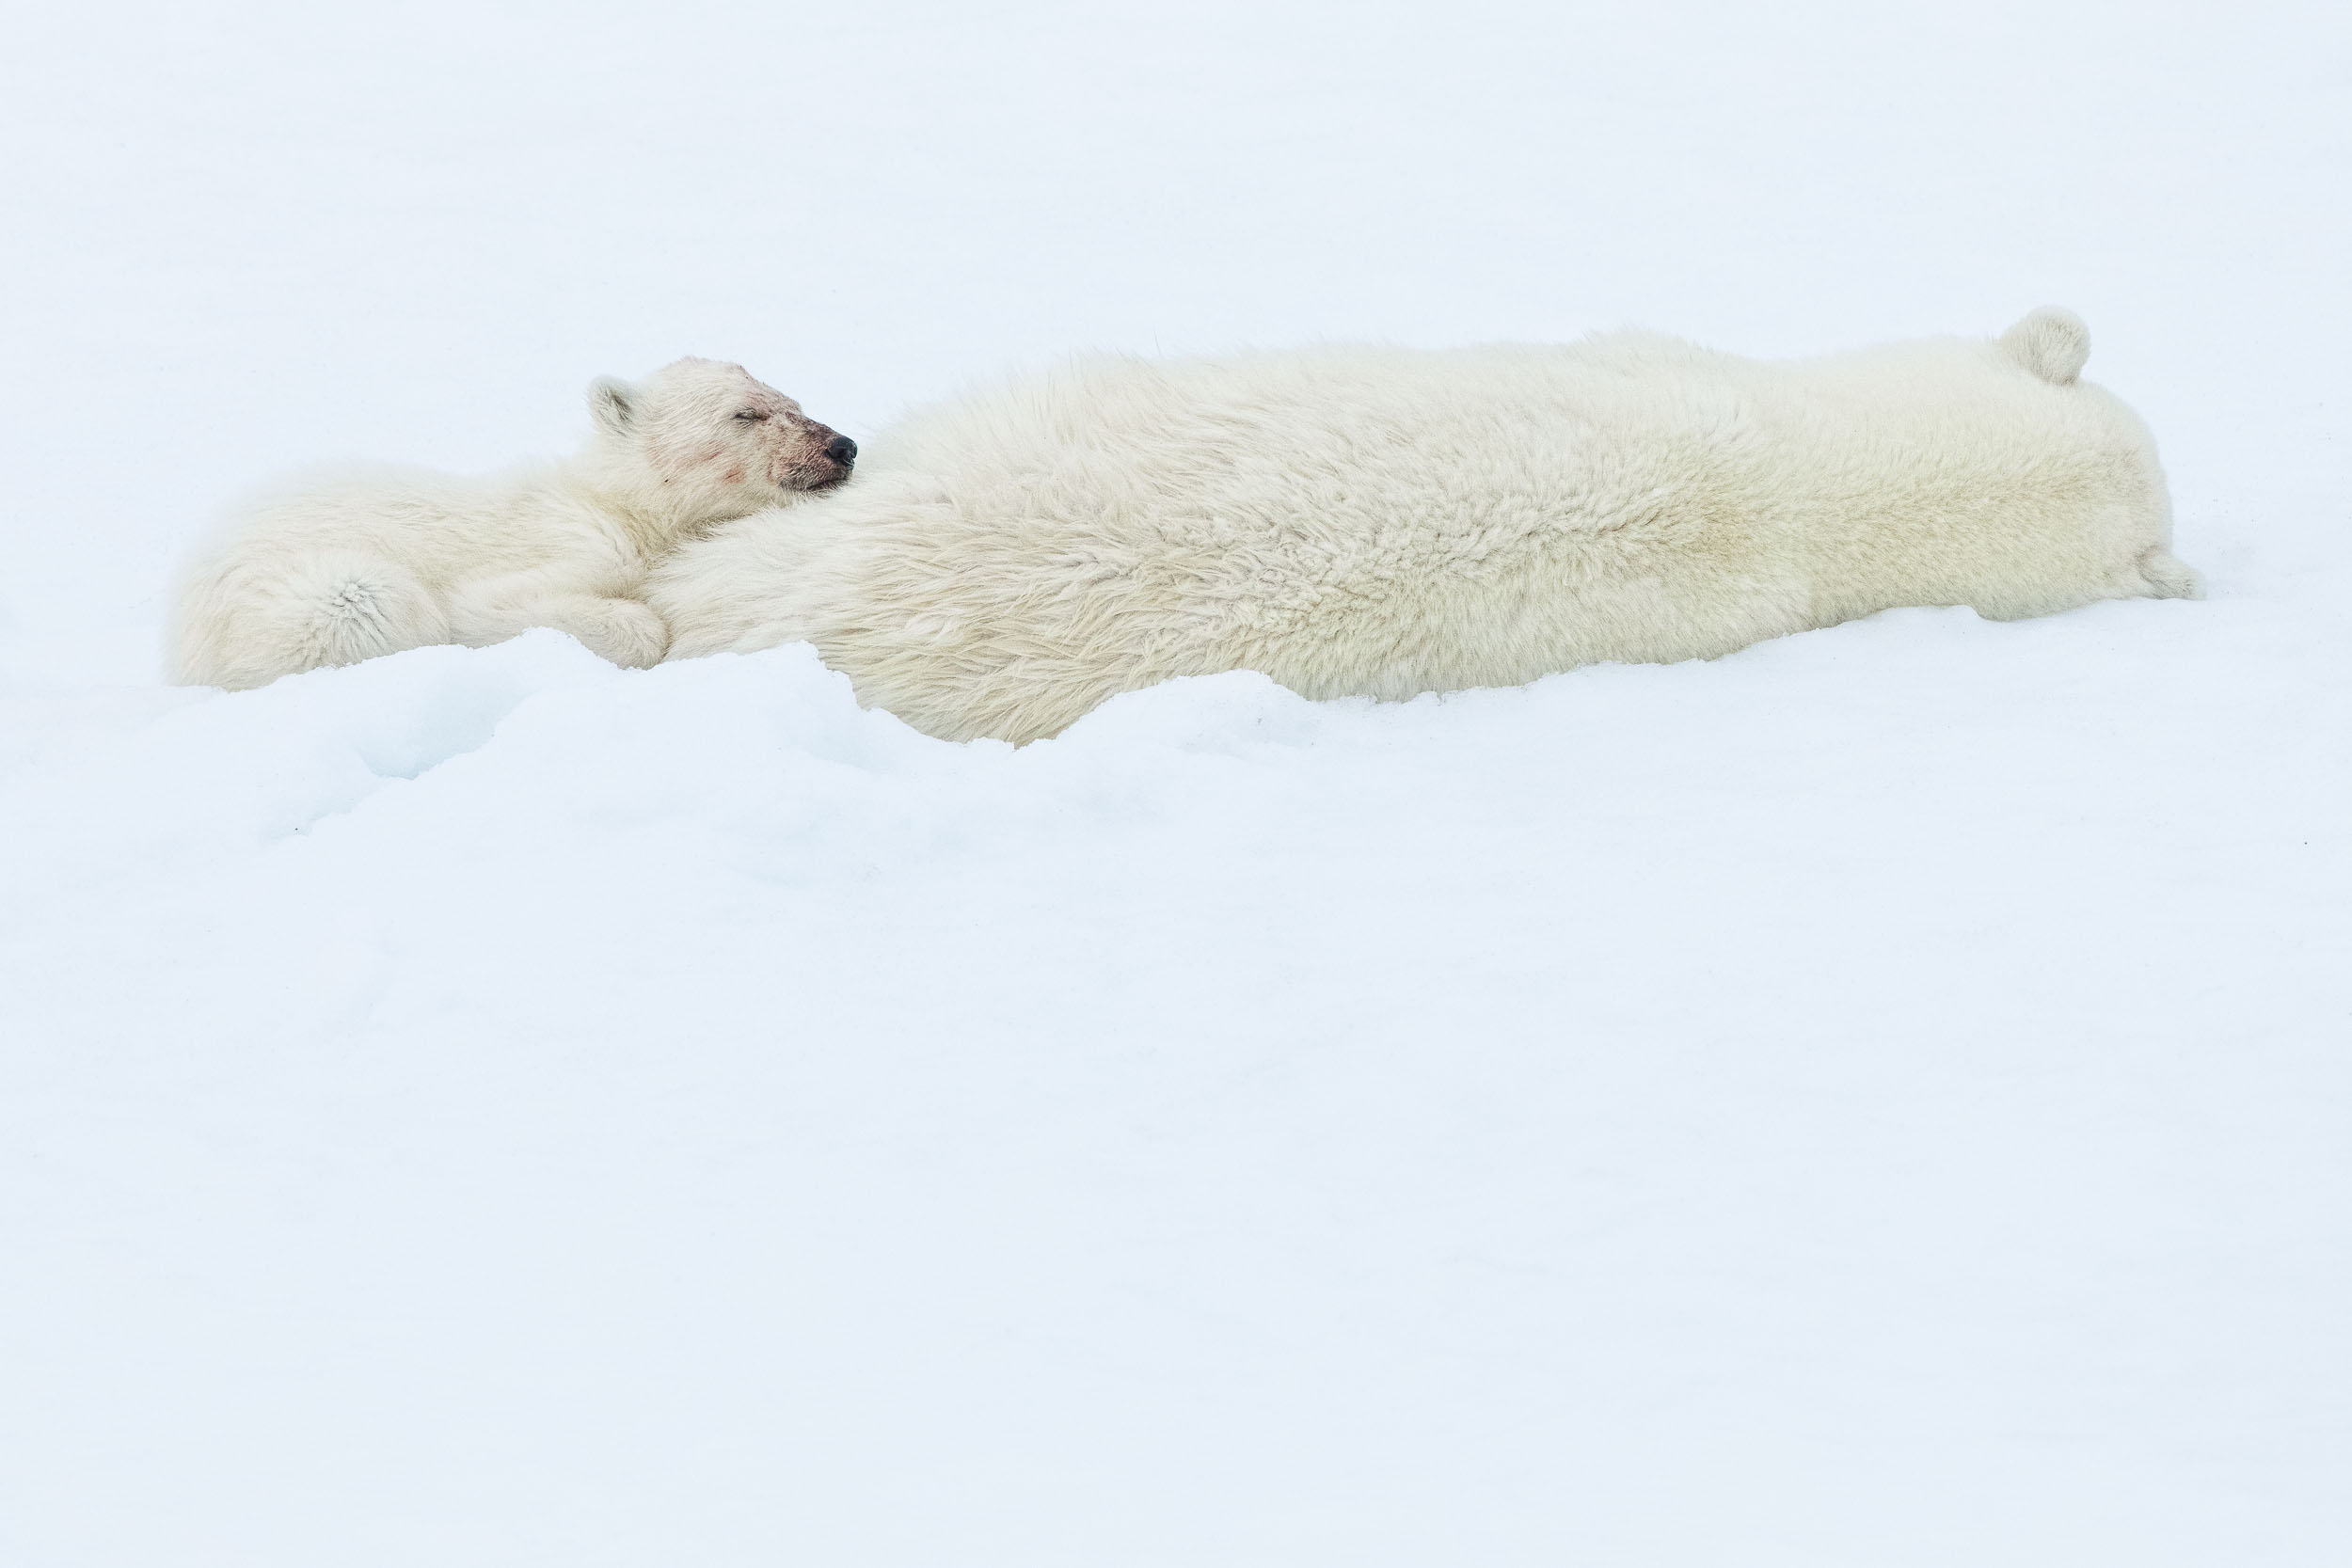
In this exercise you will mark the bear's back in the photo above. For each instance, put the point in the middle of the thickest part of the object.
(1386, 522)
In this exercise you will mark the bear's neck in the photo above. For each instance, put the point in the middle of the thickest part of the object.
(653, 515)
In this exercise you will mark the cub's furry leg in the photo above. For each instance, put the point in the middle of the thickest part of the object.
(491, 610)
(244, 625)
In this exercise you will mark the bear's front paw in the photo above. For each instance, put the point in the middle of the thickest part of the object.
(626, 633)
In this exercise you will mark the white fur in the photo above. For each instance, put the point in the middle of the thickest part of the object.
(1389, 522)
(363, 562)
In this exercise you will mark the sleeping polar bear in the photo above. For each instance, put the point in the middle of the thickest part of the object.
(373, 563)
(1386, 522)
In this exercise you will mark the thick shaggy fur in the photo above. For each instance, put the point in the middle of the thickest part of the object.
(1389, 522)
(365, 563)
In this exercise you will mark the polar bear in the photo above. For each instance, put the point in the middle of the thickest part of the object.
(350, 566)
(1386, 522)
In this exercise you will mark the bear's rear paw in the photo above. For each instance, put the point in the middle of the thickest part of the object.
(2169, 577)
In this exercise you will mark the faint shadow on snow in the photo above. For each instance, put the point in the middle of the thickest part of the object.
(767, 762)
(1230, 713)
(348, 734)
(237, 769)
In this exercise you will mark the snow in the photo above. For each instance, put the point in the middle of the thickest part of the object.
(1880, 1098)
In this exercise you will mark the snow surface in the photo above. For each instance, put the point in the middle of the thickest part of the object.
(1882, 1098)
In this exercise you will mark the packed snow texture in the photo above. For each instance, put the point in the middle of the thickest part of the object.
(1881, 1097)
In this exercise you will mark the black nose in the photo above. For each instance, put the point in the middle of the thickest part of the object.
(842, 450)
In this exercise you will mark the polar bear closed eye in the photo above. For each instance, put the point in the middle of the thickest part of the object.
(349, 566)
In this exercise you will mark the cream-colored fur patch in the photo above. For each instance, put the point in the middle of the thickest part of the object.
(1387, 522)
(351, 564)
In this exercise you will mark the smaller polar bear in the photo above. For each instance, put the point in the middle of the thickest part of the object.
(368, 562)
(1384, 522)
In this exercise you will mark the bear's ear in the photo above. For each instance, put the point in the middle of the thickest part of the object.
(2052, 342)
(611, 404)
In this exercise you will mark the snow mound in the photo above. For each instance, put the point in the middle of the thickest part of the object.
(697, 1101)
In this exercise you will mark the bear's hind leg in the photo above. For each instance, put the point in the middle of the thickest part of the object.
(2169, 577)
(365, 610)
(256, 621)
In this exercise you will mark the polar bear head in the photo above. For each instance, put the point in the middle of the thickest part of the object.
(703, 441)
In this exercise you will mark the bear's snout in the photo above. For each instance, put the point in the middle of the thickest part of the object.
(827, 457)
